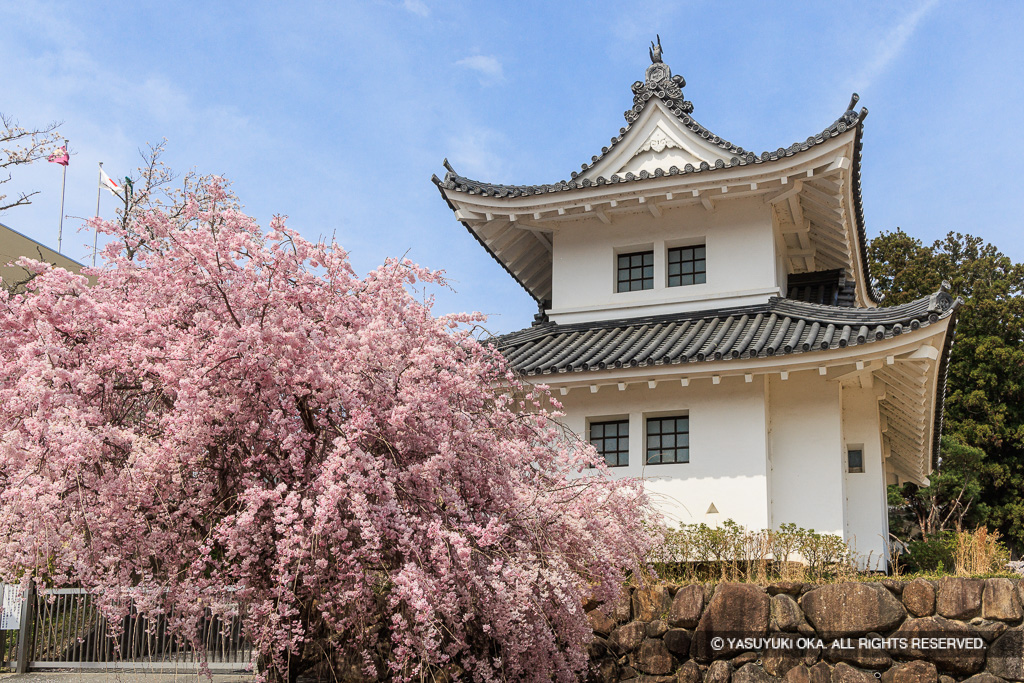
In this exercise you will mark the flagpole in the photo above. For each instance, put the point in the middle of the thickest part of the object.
(63, 185)
(96, 231)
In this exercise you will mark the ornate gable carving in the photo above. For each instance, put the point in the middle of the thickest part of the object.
(657, 141)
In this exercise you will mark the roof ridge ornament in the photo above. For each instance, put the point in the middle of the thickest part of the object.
(941, 300)
(655, 51)
(659, 82)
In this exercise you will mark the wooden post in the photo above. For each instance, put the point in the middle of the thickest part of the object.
(28, 611)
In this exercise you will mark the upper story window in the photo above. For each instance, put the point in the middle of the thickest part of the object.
(611, 439)
(687, 266)
(668, 440)
(635, 271)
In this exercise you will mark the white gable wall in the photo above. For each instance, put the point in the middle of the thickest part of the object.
(657, 133)
(741, 262)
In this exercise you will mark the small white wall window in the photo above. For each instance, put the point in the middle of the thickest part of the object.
(855, 460)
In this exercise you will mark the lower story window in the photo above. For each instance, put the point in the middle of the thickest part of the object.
(855, 460)
(611, 439)
(668, 440)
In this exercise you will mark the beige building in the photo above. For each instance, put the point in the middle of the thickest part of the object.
(14, 245)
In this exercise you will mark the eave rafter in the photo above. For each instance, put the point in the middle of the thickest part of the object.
(906, 407)
(814, 221)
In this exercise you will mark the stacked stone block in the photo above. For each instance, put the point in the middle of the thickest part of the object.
(854, 632)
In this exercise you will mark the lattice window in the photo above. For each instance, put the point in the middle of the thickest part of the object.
(635, 271)
(668, 440)
(855, 461)
(611, 439)
(687, 266)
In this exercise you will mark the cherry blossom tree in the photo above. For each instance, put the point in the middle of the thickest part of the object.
(233, 420)
(20, 146)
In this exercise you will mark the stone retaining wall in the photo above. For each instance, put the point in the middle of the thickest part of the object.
(920, 631)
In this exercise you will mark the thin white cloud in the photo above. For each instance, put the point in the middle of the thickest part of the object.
(416, 7)
(473, 152)
(487, 66)
(892, 44)
(104, 110)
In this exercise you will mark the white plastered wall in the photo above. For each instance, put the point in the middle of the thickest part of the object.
(741, 262)
(728, 460)
(807, 470)
(867, 517)
(765, 452)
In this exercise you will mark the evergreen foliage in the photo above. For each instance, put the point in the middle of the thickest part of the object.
(982, 469)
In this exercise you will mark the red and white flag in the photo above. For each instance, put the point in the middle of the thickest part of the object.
(59, 156)
(108, 183)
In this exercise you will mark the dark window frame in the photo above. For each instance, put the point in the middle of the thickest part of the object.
(636, 278)
(600, 442)
(671, 435)
(850, 467)
(692, 258)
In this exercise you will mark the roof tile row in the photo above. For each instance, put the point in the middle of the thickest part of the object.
(458, 183)
(780, 327)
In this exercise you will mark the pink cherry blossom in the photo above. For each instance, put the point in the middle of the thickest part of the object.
(230, 420)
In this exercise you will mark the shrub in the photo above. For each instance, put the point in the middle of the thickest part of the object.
(932, 555)
(732, 552)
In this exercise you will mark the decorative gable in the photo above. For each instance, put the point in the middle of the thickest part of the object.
(660, 134)
(656, 141)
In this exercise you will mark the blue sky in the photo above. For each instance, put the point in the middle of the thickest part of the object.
(337, 114)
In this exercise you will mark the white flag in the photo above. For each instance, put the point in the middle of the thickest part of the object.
(108, 183)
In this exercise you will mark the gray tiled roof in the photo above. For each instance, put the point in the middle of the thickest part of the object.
(780, 327)
(658, 83)
(458, 183)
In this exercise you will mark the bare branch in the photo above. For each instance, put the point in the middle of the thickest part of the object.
(20, 146)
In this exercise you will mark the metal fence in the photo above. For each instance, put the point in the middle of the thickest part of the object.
(8, 649)
(65, 630)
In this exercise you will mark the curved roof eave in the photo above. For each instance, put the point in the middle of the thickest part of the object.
(858, 211)
(540, 302)
(940, 382)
